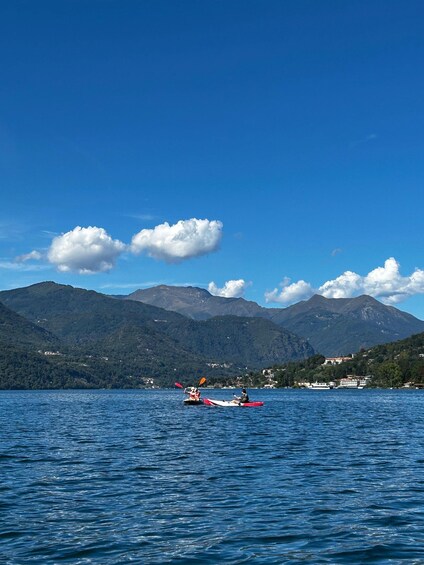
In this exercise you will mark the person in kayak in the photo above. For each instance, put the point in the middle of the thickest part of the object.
(194, 393)
(243, 398)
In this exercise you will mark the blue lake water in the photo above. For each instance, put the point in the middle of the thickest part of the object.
(109, 477)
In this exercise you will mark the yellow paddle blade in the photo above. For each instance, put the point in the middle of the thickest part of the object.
(202, 381)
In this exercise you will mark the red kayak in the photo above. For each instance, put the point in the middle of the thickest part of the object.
(231, 403)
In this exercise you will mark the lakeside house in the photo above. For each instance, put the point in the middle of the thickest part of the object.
(352, 381)
(336, 360)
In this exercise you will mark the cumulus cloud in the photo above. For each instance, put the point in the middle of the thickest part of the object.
(92, 250)
(384, 283)
(290, 292)
(346, 285)
(183, 240)
(231, 289)
(85, 251)
(388, 284)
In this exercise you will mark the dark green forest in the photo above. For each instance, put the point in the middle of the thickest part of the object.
(390, 366)
(101, 342)
(105, 342)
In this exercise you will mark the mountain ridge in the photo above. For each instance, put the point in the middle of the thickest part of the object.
(193, 302)
(100, 341)
(333, 326)
(123, 337)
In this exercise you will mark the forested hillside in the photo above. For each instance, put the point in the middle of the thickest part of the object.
(101, 341)
(390, 365)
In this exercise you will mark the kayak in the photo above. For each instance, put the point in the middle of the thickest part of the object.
(230, 403)
(192, 402)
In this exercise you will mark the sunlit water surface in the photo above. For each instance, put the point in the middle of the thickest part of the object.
(111, 477)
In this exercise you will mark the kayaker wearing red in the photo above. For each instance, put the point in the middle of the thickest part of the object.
(243, 398)
(194, 393)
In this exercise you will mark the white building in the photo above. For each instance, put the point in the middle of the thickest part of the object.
(336, 360)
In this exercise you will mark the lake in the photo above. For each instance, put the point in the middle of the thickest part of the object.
(109, 477)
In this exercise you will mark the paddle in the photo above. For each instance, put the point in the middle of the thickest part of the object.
(195, 396)
(201, 382)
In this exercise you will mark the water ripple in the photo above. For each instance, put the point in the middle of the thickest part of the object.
(110, 477)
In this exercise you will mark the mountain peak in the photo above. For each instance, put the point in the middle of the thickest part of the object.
(196, 303)
(333, 326)
(316, 299)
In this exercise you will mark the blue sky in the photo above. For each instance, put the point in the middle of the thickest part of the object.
(273, 146)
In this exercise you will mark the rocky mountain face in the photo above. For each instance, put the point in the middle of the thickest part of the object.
(338, 326)
(333, 326)
(196, 303)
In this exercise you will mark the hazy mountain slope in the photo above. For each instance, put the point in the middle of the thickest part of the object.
(332, 326)
(345, 325)
(249, 341)
(196, 303)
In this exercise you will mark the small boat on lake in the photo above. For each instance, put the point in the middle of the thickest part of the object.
(319, 386)
(231, 403)
(193, 402)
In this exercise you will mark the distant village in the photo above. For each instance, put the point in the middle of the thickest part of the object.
(350, 381)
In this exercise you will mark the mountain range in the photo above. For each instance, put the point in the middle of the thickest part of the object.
(108, 340)
(333, 326)
(53, 335)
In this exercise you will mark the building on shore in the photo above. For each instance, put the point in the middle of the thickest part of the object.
(336, 360)
(352, 381)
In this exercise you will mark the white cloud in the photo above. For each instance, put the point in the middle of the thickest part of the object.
(290, 293)
(22, 267)
(384, 283)
(183, 240)
(347, 284)
(387, 282)
(32, 256)
(231, 289)
(85, 251)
